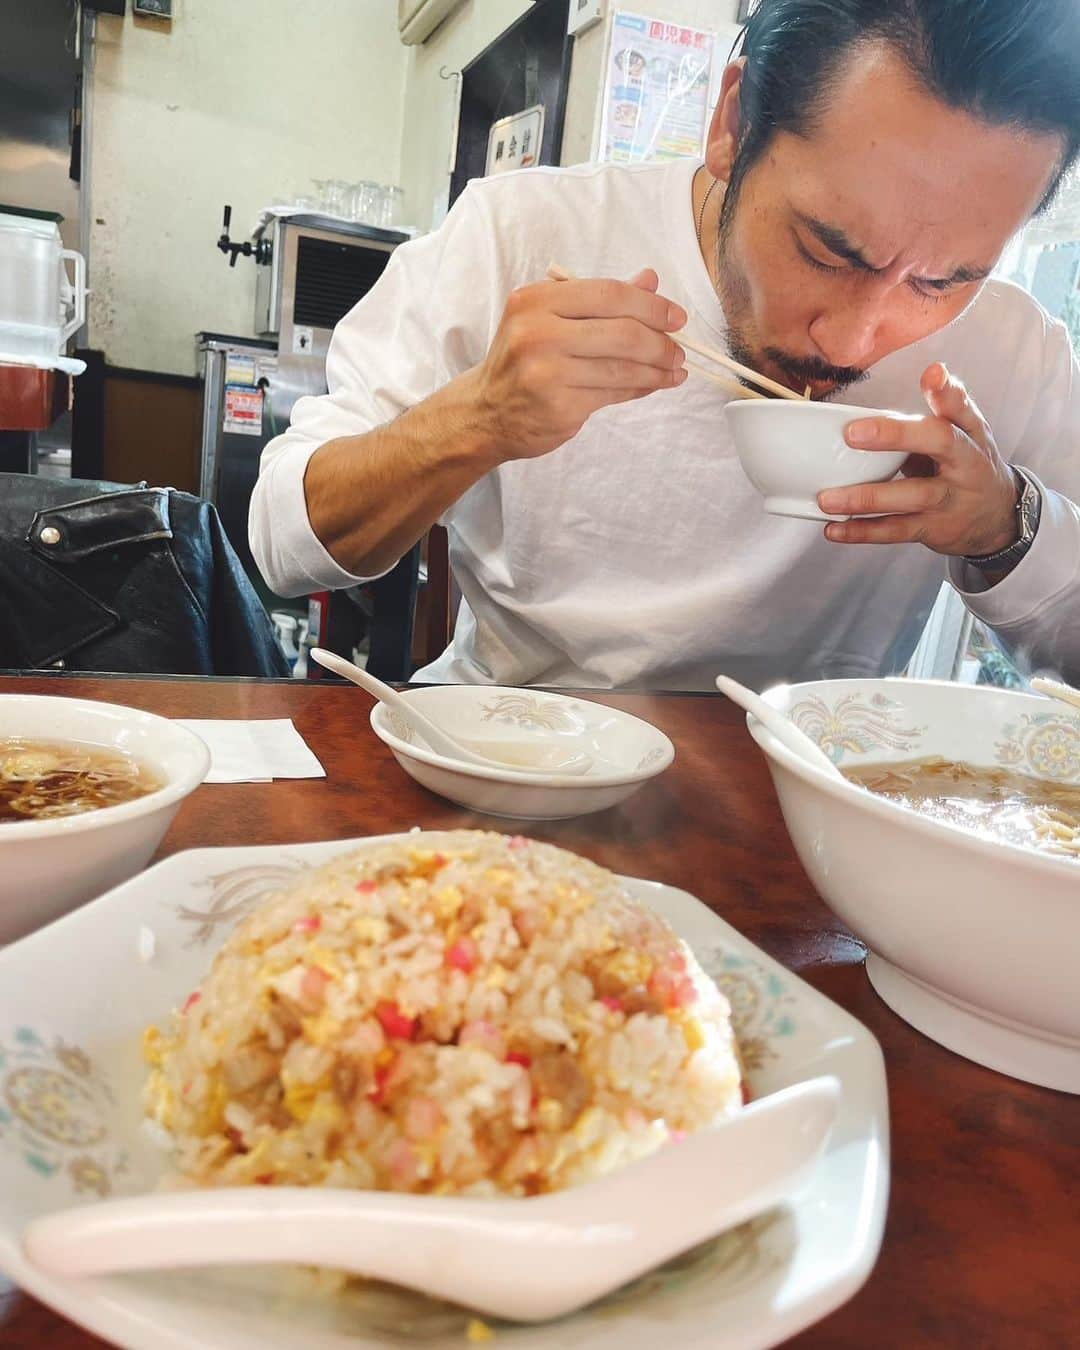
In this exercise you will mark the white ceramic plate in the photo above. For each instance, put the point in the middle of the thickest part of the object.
(75, 997)
(625, 751)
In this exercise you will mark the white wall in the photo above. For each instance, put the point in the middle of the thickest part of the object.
(247, 100)
(430, 102)
(590, 53)
(235, 101)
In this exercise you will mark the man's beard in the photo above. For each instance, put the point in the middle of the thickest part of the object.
(798, 370)
(734, 295)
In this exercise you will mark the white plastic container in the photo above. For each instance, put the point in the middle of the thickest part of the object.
(285, 631)
(40, 307)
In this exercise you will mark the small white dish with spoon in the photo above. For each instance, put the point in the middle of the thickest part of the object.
(518, 753)
(528, 756)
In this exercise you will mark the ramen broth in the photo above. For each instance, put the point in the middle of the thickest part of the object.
(993, 803)
(40, 780)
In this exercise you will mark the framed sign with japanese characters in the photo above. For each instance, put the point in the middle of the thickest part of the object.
(514, 142)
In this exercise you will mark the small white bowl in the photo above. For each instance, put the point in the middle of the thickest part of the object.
(626, 752)
(792, 450)
(974, 942)
(51, 866)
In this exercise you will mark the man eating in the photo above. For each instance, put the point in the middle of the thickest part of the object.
(866, 165)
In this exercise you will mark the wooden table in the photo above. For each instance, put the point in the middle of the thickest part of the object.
(983, 1237)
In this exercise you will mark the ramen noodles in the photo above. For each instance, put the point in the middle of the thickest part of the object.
(40, 780)
(990, 802)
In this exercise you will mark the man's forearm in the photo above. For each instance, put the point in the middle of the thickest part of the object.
(562, 351)
(371, 497)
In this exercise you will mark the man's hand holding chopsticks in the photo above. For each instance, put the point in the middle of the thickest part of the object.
(565, 349)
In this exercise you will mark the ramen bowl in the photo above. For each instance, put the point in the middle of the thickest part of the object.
(52, 865)
(972, 941)
(791, 450)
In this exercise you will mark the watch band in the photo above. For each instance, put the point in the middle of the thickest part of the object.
(1028, 513)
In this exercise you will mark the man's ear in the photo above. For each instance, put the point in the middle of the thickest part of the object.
(724, 130)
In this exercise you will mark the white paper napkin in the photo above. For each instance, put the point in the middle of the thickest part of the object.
(254, 751)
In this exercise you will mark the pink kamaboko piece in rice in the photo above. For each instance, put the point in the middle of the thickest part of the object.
(449, 1013)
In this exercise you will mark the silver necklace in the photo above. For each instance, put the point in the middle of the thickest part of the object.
(701, 214)
(704, 203)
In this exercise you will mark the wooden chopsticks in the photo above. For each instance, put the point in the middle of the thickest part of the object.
(722, 359)
(557, 273)
(733, 387)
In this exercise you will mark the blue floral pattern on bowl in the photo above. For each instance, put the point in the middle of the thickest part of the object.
(856, 725)
(1044, 744)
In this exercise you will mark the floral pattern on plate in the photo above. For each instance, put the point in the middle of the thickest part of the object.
(234, 894)
(531, 712)
(649, 758)
(1044, 744)
(761, 1005)
(55, 1110)
(856, 725)
(401, 729)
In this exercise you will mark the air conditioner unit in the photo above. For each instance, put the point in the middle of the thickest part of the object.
(418, 19)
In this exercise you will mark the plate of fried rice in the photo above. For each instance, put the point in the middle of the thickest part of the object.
(457, 1013)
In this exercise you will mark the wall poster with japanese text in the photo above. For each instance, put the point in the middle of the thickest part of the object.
(659, 90)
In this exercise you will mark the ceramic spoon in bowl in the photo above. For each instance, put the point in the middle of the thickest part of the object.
(524, 1259)
(1064, 693)
(528, 758)
(781, 726)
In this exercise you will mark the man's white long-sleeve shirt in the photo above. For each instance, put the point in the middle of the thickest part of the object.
(638, 553)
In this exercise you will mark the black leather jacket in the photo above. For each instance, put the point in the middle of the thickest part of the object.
(97, 577)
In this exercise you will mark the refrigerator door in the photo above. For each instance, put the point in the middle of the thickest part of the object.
(239, 386)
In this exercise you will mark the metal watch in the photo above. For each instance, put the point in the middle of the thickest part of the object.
(1028, 511)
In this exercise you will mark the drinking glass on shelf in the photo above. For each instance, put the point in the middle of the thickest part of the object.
(354, 202)
(385, 207)
(368, 191)
(396, 198)
(371, 203)
(336, 193)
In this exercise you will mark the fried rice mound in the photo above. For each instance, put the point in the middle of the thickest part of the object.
(447, 1013)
